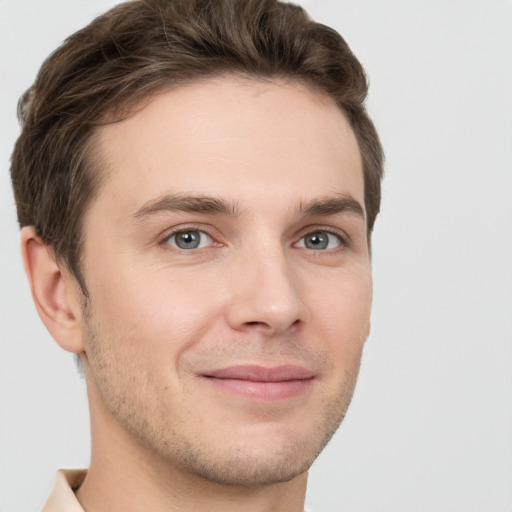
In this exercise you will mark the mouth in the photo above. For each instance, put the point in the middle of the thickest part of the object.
(259, 382)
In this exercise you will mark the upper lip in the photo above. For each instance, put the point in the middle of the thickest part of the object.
(258, 373)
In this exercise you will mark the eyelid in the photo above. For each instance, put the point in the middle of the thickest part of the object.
(169, 233)
(337, 232)
(341, 234)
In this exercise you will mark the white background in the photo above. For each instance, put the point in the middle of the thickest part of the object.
(430, 427)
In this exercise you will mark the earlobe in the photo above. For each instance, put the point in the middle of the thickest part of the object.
(55, 292)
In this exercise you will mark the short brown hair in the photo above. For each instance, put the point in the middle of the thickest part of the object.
(143, 46)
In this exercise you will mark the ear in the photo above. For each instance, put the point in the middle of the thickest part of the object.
(55, 292)
(368, 329)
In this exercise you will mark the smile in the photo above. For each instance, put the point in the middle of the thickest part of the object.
(262, 383)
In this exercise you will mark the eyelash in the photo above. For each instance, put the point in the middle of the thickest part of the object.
(341, 236)
(188, 229)
(342, 239)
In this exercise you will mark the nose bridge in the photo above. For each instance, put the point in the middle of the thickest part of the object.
(267, 290)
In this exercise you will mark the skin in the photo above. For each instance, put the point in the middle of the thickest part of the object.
(281, 277)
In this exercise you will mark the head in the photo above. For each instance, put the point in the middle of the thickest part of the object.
(171, 323)
(125, 56)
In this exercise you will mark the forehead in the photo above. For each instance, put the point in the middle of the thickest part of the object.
(247, 138)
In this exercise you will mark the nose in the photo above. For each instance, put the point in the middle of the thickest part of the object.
(266, 295)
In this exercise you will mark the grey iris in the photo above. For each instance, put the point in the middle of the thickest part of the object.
(316, 241)
(188, 239)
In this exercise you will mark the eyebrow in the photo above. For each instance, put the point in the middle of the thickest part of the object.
(218, 206)
(188, 203)
(331, 206)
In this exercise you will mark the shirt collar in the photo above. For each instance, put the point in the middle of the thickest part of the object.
(62, 497)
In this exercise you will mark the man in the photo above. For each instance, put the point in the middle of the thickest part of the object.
(197, 183)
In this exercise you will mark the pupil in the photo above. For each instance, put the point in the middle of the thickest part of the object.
(187, 240)
(316, 241)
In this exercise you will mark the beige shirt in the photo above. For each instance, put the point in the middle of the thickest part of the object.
(62, 498)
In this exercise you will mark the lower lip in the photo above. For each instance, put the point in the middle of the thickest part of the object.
(262, 390)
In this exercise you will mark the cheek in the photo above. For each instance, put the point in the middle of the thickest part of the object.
(154, 308)
(343, 311)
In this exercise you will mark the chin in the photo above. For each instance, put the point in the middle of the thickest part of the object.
(261, 457)
(255, 470)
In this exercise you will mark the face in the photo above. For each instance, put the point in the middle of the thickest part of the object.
(228, 270)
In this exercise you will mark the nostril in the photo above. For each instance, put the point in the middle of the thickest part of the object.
(265, 325)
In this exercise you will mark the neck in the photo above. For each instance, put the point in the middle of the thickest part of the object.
(126, 476)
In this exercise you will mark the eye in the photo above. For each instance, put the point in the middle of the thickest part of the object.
(190, 239)
(320, 241)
